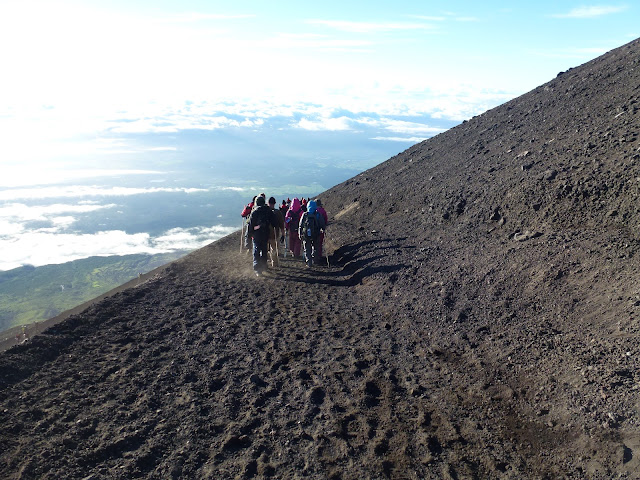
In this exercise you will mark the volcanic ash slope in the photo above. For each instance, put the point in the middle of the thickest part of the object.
(479, 320)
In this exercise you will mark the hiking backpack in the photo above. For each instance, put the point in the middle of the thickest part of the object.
(262, 220)
(310, 226)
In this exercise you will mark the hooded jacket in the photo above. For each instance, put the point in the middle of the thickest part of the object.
(260, 220)
(312, 210)
(292, 217)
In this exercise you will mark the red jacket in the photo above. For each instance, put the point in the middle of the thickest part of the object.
(247, 210)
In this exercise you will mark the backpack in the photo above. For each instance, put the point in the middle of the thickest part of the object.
(310, 226)
(262, 220)
(294, 220)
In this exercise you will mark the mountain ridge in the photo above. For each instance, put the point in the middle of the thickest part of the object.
(479, 319)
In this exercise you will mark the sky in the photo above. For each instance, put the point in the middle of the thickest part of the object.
(132, 89)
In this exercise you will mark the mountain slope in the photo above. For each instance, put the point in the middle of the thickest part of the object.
(34, 294)
(479, 320)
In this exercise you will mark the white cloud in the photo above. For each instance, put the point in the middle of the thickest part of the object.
(369, 27)
(199, 17)
(448, 16)
(62, 222)
(576, 53)
(429, 18)
(190, 238)
(321, 42)
(177, 121)
(9, 228)
(45, 247)
(87, 191)
(401, 126)
(326, 124)
(18, 212)
(592, 11)
(401, 139)
(48, 173)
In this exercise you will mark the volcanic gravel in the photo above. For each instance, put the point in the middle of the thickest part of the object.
(479, 319)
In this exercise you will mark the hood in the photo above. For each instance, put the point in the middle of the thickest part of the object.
(311, 207)
(295, 205)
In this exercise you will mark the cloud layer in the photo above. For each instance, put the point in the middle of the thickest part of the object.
(44, 247)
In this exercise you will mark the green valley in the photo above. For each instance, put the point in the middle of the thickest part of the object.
(32, 294)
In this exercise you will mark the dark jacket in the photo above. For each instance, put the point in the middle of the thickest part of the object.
(260, 220)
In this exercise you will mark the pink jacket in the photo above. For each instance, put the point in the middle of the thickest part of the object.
(293, 214)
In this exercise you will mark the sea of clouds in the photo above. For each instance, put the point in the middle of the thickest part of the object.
(177, 179)
(60, 224)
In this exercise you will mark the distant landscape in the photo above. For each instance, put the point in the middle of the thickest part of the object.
(32, 294)
(97, 224)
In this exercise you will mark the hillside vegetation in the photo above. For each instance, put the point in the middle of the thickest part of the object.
(480, 318)
(33, 294)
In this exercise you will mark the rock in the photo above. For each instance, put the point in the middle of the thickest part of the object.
(526, 235)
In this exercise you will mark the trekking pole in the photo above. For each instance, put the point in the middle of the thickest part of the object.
(241, 234)
(324, 245)
(286, 243)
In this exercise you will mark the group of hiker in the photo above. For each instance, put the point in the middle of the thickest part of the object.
(299, 224)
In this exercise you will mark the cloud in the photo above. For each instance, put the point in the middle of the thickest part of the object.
(47, 173)
(190, 238)
(200, 17)
(573, 53)
(370, 27)
(319, 42)
(402, 126)
(175, 122)
(592, 11)
(411, 140)
(429, 18)
(43, 247)
(326, 124)
(18, 212)
(87, 191)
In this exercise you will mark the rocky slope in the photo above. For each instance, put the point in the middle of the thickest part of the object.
(479, 320)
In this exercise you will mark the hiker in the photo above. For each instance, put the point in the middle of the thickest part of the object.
(247, 209)
(283, 208)
(311, 224)
(323, 213)
(245, 216)
(292, 220)
(260, 220)
(276, 234)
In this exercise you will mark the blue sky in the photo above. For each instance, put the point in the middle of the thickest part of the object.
(129, 89)
(78, 76)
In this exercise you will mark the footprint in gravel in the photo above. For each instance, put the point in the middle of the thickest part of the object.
(235, 443)
(372, 394)
(373, 428)
(381, 447)
(317, 396)
(256, 380)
